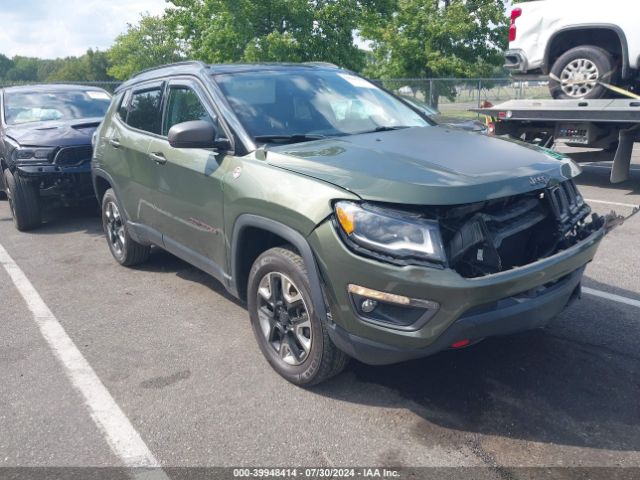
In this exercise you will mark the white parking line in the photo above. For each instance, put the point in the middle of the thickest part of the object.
(123, 439)
(630, 205)
(612, 297)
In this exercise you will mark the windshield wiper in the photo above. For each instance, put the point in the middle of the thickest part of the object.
(295, 137)
(383, 129)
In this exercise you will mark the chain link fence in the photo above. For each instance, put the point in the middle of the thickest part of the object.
(452, 97)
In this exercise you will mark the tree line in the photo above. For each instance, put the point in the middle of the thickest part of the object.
(380, 38)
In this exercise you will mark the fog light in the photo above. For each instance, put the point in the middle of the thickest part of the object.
(383, 296)
(368, 305)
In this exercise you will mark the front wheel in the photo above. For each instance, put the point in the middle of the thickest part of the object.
(24, 201)
(578, 73)
(290, 334)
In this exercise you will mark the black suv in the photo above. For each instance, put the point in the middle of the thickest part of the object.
(45, 146)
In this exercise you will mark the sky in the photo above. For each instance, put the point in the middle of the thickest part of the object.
(61, 28)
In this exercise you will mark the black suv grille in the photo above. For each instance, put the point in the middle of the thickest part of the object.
(567, 204)
(73, 156)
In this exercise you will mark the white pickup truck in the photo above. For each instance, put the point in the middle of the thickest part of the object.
(580, 44)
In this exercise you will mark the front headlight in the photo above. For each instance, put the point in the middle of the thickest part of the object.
(33, 154)
(389, 232)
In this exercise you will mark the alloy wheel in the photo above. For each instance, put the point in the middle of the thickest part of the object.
(284, 318)
(114, 228)
(579, 77)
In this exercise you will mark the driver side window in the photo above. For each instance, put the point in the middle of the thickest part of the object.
(184, 105)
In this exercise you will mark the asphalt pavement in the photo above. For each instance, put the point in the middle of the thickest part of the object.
(177, 355)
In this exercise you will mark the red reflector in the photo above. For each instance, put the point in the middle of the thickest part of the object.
(502, 114)
(460, 344)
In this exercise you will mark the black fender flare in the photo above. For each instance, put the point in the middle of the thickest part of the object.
(100, 173)
(290, 235)
(546, 68)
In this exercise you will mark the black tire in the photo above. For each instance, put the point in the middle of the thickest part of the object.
(605, 70)
(324, 360)
(124, 249)
(24, 201)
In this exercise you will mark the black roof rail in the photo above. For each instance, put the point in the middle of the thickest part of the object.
(177, 64)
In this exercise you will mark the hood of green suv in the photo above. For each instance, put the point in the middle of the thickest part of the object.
(425, 166)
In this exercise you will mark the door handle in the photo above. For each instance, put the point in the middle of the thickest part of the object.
(158, 157)
(114, 142)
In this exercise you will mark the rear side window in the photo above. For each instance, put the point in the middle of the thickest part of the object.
(144, 110)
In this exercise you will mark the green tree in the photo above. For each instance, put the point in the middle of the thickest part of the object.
(25, 69)
(149, 43)
(220, 31)
(437, 38)
(6, 64)
(90, 67)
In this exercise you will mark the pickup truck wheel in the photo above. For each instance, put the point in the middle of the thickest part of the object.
(291, 336)
(576, 73)
(124, 249)
(24, 201)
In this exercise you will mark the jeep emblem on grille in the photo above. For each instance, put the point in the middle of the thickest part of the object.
(539, 180)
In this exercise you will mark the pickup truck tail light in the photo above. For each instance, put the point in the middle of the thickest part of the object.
(515, 13)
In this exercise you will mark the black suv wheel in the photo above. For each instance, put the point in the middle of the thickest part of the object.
(24, 201)
(291, 336)
(124, 249)
(577, 73)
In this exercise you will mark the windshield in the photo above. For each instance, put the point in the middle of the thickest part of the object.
(312, 103)
(27, 107)
(423, 107)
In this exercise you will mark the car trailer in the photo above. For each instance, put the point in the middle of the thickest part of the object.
(612, 125)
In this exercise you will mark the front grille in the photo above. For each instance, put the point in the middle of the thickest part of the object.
(567, 204)
(73, 156)
(499, 235)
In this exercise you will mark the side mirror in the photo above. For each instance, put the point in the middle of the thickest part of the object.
(195, 134)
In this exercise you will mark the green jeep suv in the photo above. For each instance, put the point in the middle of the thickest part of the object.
(348, 222)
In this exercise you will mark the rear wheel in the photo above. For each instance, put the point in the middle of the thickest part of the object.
(124, 249)
(578, 72)
(290, 334)
(24, 201)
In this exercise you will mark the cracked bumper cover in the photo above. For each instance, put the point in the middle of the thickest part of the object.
(508, 302)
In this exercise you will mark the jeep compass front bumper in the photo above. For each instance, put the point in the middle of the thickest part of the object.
(468, 309)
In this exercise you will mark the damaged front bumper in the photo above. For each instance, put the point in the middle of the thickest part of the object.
(467, 309)
(69, 183)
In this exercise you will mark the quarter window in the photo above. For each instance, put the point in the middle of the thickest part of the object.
(124, 104)
(144, 111)
(184, 105)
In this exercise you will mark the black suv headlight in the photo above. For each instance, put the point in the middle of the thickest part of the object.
(397, 234)
(36, 154)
